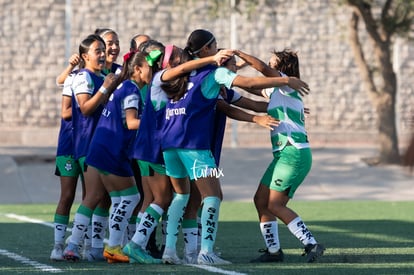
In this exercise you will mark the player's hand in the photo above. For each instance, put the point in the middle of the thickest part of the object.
(109, 80)
(221, 56)
(266, 121)
(298, 85)
(74, 60)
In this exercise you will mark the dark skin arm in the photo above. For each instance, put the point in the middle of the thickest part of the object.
(257, 64)
(265, 121)
(267, 71)
(247, 103)
(252, 84)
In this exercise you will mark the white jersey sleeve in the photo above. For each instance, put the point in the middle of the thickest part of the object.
(131, 102)
(83, 84)
(67, 85)
(158, 97)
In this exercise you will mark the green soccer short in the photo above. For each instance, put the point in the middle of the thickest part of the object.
(288, 169)
(148, 168)
(66, 166)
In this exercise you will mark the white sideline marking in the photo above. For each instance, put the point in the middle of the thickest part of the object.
(24, 260)
(214, 269)
(27, 219)
(205, 267)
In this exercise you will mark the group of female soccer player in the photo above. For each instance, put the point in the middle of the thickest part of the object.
(145, 138)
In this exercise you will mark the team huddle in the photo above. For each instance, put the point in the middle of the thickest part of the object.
(145, 138)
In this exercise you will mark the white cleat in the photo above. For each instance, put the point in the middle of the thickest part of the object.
(57, 253)
(210, 259)
(170, 257)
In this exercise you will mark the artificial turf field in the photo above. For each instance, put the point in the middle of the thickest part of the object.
(361, 237)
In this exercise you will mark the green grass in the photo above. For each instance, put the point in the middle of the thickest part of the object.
(362, 237)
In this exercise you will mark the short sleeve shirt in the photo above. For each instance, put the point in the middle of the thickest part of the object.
(220, 76)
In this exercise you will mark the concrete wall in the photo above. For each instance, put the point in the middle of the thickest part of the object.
(35, 35)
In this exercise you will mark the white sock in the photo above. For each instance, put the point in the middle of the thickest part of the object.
(60, 233)
(190, 240)
(99, 227)
(149, 221)
(270, 235)
(80, 226)
(139, 216)
(119, 219)
(298, 228)
(115, 200)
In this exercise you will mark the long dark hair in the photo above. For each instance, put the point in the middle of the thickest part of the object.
(287, 62)
(176, 88)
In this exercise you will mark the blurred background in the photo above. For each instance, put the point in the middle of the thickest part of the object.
(349, 66)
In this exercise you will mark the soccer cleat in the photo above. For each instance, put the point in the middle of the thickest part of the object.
(170, 257)
(268, 257)
(313, 251)
(95, 255)
(138, 255)
(154, 251)
(114, 254)
(210, 259)
(83, 249)
(57, 253)
(71, 253)
(152, 247)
